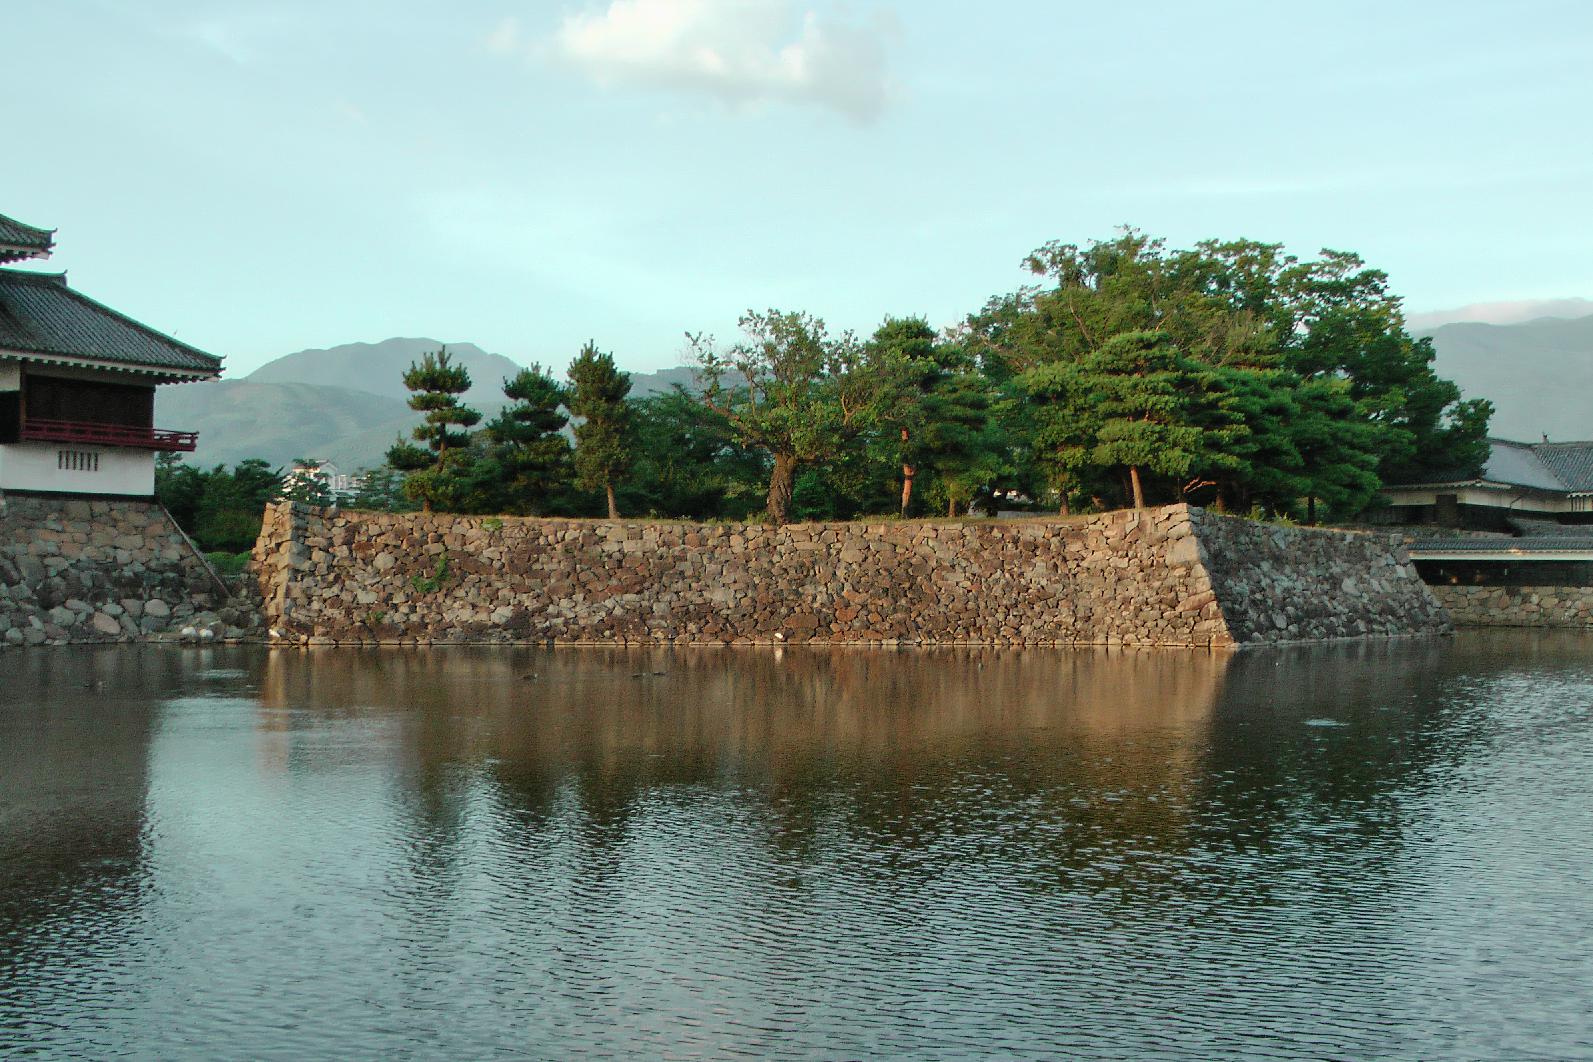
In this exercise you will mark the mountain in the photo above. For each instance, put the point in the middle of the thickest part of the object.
(1500, 313)
(379, 367)
(344, 404)
(278, 422)
(1537, 373)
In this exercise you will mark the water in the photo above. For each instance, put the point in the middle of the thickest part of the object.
(1350, 852)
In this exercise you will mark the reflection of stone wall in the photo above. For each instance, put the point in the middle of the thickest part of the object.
(1124, 578)
(1518, 606)
(79, 570)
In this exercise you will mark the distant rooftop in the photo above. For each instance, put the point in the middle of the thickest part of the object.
(19, 241)
(1556, 467)
(1500, 548)
(42, 319)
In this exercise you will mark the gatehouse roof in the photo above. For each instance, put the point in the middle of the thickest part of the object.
(43, 319)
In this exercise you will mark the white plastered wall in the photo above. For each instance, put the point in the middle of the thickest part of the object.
(114, 470)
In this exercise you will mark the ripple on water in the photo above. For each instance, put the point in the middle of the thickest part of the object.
(929, 855)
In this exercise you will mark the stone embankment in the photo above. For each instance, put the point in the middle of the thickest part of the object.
(1175, 576)
(105, 571)
(1518, 606)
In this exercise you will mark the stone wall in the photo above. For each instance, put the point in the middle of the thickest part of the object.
(1306, 584)
(1123, 578)
(75, 570)
(1517, 606)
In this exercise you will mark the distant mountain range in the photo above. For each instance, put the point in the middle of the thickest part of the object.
(342, 404)
(347, 404)
(1537, 373)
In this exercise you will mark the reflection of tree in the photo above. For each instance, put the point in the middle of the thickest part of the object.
(919, 755)
(75, 736)
(1151, 775)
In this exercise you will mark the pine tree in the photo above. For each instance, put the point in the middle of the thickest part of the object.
(1340, 451)
(437, 384)
(531, 455)
(604, 446)
(1153, 405)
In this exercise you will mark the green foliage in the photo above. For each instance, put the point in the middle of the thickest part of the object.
(936, 415)
(604, 440)
(228, 565)
(304, 486)
(791, 389)
(382, 490)
(1229, 374)
(689, 462)
(221, 510)
(525, 465)
(424, 584)
(436, 384)
(1289, 375)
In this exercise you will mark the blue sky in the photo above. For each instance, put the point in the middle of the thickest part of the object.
(259, 178)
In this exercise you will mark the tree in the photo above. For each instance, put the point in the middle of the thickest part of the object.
(230, 511)
(1258, 325)
(304, 484)
(604, 438)
(1150, 408)
(1339, 450)
(1136, 406)
(179, 487)
(935, 409)
(529, 459)
(689, 462)
(1349, 326)
(436, 383)
(381, 490)
(220, 510)
(793, 391)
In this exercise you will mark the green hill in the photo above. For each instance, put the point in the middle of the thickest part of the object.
(275, 421)
(1537, 373)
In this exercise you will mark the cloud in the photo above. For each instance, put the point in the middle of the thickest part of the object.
(505, 37)
(741, 52)
(243, 37)
(1502, 313)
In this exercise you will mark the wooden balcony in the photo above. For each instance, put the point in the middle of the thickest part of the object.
(83, 433)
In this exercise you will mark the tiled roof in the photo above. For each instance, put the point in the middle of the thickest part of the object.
(1518, 464)
(1563, 544)
(42, 316)
(1571, 462)
(22, 241)
(1557, 467)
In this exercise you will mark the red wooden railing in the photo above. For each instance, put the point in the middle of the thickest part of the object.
(74, 431)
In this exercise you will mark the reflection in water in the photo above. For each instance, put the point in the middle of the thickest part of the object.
(1356, 850)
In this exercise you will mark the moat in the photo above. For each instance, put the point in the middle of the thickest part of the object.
(1358, 850)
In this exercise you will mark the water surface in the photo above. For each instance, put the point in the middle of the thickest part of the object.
(1376, 851)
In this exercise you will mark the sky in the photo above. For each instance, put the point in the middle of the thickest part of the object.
(259, 178)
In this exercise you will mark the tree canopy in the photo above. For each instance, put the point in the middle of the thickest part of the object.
(1127, 372)
(603, 438)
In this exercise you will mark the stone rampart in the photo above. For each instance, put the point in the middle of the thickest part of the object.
(1175, 576)
(1518, 606)
(76, 570)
